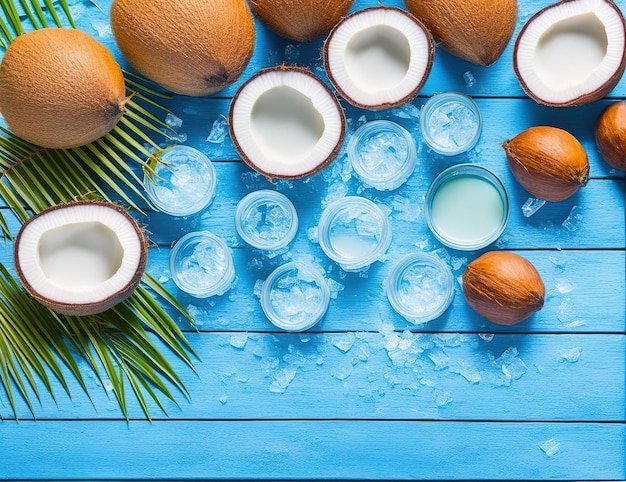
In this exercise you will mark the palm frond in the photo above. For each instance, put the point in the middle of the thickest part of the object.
(38, 346)
(35, 341)
(31, 14)
(34, 178)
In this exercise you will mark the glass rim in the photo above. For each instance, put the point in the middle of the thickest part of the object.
(150, 184)
(217, 288)
(377, 181)
(396, 274)
(477, 171)
(326, 221)
(252, 199)
(274, 277)
(435, 101)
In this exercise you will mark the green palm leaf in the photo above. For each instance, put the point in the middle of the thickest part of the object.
(122, 346)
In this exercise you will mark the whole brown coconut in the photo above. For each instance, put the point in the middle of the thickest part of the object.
(190, 47)
(300, 20)
(610, 134)
(503, 287)
(549, 162)
(474, 30)
(60, 88)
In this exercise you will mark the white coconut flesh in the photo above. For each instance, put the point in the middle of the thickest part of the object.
(286, 123)
(378, 57)
(570, 49)
(79, 255)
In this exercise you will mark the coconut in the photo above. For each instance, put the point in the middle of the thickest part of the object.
(80, 258)
(286, 123)
(302, 21)
(378, 57)
(474, 30)
(60, 88)
(190, 47)
(571, 53)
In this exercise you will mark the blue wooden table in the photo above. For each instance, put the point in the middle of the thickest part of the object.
(365, 394)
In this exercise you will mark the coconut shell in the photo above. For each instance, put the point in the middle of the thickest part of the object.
(610, 135)
(503, 287)
(474, 30)
(60, 88)
(584, 97)
(87, 308)
(300, 20)
(550, 163)
(189, 47)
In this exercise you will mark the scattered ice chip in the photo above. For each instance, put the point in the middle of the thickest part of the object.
(550, 447)
(512, 366)
(559, 259)
(335, 287)
(470, 80)
(282, 378)
(292, 53)
(173, 121)
(565, 312)
(442, 397)
(223, 399)
(486, 336)
(574, 220)
(563, 285)
(103, 29)
(531, 206)
(572, 355)
(239, 341)
(344, 342)
(467, 370)
(218, 131)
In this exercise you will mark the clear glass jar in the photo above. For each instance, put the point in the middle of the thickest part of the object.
(420, 287)
(450, 123)
(295, 296)
(201, 264)
(467, 207)
(266, 220)
(183, 182)
(382, 154)
(354, 232)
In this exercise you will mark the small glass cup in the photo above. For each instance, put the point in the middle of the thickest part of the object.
(420, 287)
(467, 207)
(354, 232)
(295, 296)
(183, 182)
(202, 265)
(450, 123)
(266, 220)
(382, 154)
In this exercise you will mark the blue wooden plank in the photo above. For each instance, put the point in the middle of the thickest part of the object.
(294, 450)
(383, 375)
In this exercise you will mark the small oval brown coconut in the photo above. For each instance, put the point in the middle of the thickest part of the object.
(571, 53)
(190, 47)
(379, 57)
(80, 258)
(474, 30)
(503, 287)
(550, 163)
(303, 20)
(610, 134)
(60, 88)
(286, 123)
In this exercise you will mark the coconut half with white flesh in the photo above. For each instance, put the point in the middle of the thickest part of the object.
(286, 123)
(572, 52)
(80, 258)
(379, 57)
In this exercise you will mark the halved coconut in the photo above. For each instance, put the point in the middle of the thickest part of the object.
(285, 123)
(572, 52)
(379, 57)
(80, 258)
